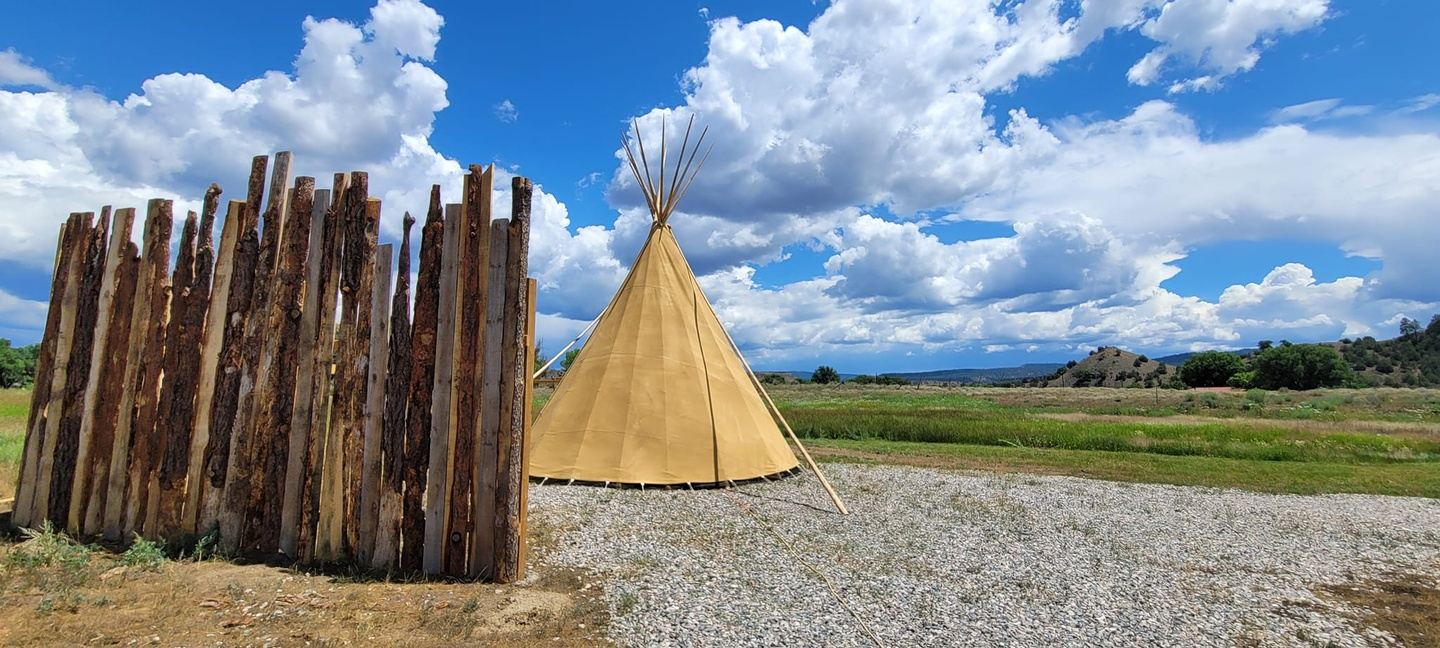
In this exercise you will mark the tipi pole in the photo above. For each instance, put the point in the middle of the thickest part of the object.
(834, 497)
(561, 354)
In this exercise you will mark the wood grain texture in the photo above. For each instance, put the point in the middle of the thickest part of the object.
(520, 532)
(95, 437)
(482, 556)
(177, 397)
(111, 387)
(374, 410)
(143, 441)
(421, 386)
(469, 334)
(515, 387)
(45, 367)
(322, 442)
(277, 396)
(210, 348)
(298, 458)
(392, 435)
(437, 495)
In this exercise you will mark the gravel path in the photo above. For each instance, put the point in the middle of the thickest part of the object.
(944, 558)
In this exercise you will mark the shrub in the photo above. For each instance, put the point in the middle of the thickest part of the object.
(1242, 380)
(1300, 366)
(1211, 369)
(824, 375)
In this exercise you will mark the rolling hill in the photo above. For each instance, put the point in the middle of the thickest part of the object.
(1110, 367)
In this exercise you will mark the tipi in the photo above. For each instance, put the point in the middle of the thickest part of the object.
(659, 395)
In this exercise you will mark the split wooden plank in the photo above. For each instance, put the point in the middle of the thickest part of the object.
(322, 443)
(482, 560)
(276, 398)
(298, 464)
(210, 349)
(392, 437)
(515, 387)
(521, 529)
(226, 399)
(97, 422)
(44, 368)
(112, 385)
(257, 355)
(81, 232)
(146, 396)
(437, 495)
(110, 506)
(374, 411)
(421, 385)
(177, 397)
(469, 333)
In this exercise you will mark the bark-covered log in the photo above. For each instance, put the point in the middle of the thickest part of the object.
(515, 388)
(215, 311)
(77, 376)
(392, 441)
(93, 442)
(469, 334)
(111, 389)
(421, 385)
(320, 445)
(45, 366)
(177, 397)
(276, 398)
(143, 432)
(80, 230)
(441, 430)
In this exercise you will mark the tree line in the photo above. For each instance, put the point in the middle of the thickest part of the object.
(17, 364)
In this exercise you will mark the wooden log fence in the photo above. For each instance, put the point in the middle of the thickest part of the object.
(273, 392)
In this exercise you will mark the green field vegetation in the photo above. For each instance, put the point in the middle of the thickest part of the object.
(14, 406)
(1373, 441)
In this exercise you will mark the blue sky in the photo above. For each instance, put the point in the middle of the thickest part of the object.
(922, 186)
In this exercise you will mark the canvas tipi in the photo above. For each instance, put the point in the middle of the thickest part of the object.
(659, 395)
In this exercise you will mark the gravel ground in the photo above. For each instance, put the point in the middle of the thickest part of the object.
(945, 558)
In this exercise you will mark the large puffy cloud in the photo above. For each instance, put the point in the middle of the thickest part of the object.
(359, 97)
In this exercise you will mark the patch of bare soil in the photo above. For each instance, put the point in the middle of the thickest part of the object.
(1404, 605)
(93, 597)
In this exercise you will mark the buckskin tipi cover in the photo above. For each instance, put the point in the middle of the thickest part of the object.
(658, 395)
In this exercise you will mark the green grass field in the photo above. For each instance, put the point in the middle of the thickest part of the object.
(1365, 441)
(14, 406)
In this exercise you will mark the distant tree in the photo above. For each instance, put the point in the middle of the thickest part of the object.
(569, 359)
(1210, 369)
(1242, 380)
(863, 379)
(1143, 358)
(1265, 344)
(1070, 364)
(1409, 327)
(772, 379)
(824, 375)
(1434, 327)
(540, 358)
(17, 364)
(1300, 366)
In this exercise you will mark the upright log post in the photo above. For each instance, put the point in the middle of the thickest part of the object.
(276, 397)
(78, 375)
(97, 424)
(469, 341)
(421, 386)
(392, 437)
(45, 366)
(374, 408)
(210, 348)
(514, 386)
(82, 230)
(177, 398)
(146, 396)
(482, 556)
(112, 384)
(322, 441)
(437, 494)
(298, 457)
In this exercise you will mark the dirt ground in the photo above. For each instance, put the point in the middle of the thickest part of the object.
(56, 595)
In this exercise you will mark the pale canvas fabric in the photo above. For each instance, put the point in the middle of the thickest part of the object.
(657, 394)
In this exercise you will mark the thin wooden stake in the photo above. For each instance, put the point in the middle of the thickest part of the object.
(515, 388)
(374, 410)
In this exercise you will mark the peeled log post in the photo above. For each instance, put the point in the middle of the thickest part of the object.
(298, 458)
(111, 387)
(62, 382)
(44, 367)
(373, 413)
(437, 477)
(469, 333)
(481, 564)
(216, 311)
(275, 407)
(515, 388)
(177, 398)
(421, 386)
(320, 445)
(94, 436)
(392, 436)
(158, 226)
